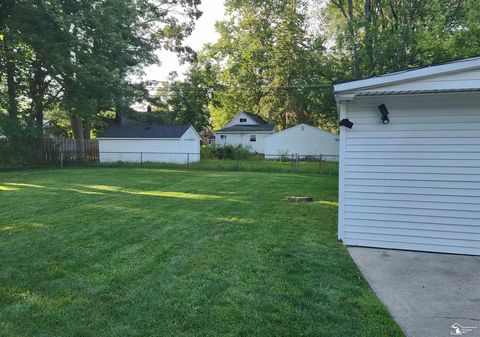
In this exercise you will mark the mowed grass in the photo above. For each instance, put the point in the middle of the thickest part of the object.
(150, 252)
(250, 165)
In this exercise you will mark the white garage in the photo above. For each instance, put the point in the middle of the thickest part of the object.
(149, 143)
(410, 163)
(302, 140)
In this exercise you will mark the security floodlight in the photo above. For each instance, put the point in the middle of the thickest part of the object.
(384, 112)
(346, 123)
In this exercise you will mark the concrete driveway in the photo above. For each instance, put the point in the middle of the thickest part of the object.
(426, 293)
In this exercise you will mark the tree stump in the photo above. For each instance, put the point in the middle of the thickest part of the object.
(300, 198)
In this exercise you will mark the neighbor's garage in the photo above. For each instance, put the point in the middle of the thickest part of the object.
(410, 164)
(140, 143)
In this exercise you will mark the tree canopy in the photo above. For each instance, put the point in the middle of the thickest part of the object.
(79, 61)
(83, 56)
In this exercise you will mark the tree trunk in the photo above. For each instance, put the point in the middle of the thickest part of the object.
(11, 85)
(369, 38)
(349, 17)
(86, 130)
(355, 52)
(77, 128)
(37, 92)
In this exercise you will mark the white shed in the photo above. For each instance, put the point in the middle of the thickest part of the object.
(156, 143)
(303, 140)
(410, 178)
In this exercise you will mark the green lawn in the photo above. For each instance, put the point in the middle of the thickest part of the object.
(150, 252)
(250, 165)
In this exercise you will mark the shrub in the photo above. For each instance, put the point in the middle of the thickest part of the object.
(225, 152)
(207, 152)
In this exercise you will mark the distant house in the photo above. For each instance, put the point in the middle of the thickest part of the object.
(246, 129)
(149, 143)
(303, 140)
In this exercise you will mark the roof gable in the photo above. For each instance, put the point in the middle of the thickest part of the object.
(145, 131)
(303, 126)
(453, 76)
(250, 119)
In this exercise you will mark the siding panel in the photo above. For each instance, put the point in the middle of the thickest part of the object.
(414, 183)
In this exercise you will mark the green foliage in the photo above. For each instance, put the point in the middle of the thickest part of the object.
(148, 252)
(206, 152)
(228, 152)
(186, 101)
(19, 147)
(375, 37)
(82, 56)
(269, 63)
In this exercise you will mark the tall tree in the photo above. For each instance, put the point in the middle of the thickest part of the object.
(269, 63)
(376, 36)
(83, 55)
(187, 101)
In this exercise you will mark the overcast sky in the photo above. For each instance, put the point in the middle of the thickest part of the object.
(204, 32)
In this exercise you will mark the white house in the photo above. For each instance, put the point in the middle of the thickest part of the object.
(156, 143)
(303, 140)
(410, 179)
(245, 129)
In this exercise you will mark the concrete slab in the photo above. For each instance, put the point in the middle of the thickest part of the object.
(426, 293)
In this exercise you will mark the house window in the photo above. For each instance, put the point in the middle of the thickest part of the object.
(223, 137)
(243, 120)
(253, 138)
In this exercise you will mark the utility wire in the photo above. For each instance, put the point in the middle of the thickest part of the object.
(192, 87)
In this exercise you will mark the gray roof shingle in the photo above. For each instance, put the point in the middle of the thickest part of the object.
(248, 128)
(144, 131)
(256, 118)
(262, 125)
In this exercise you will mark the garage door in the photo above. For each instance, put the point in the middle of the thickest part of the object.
(414, 183)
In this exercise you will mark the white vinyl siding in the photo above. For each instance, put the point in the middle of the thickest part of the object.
(167, 150)
(243, 139)
(414, 183)
(302, 140)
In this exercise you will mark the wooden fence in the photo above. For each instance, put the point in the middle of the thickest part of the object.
(64, 150)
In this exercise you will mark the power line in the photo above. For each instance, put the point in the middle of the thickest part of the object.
(189, 86)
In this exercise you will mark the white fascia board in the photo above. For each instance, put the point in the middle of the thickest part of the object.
(407, 75)
(281, 133)
(241, 132)
(191, 127)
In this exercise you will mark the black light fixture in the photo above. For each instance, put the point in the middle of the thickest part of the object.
(384, 112)
(346, 123)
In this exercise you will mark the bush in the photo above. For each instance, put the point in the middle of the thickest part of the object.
(225, 152)
(20, 145)
(206, 152)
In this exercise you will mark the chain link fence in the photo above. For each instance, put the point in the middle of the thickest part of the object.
(71, 153)
(308, 164)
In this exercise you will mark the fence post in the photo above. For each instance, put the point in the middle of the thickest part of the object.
(61, 158)
(321, 169)
(188, 160)
(141, 159)
(238, 161)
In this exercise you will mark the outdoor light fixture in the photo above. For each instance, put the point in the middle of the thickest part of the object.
(384, 112)
(346, 123)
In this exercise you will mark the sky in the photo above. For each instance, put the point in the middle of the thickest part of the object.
(204, 32)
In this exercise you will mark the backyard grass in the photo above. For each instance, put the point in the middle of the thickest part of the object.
(150, 252)
(249, 165)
